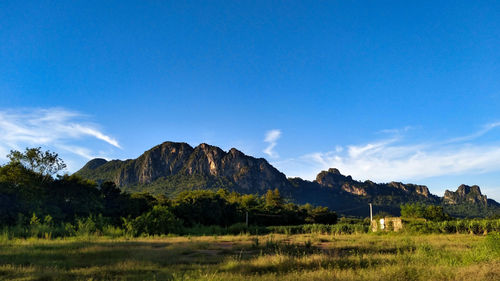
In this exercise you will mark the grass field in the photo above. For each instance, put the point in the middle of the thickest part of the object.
(245, 257)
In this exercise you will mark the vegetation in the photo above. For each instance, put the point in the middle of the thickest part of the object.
(470, 210)
(419, 210)
(245, 257)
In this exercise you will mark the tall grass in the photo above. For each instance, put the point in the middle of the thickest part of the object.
(96, 226)
(312, 256)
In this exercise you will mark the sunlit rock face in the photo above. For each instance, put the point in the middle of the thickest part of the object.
(465, 194)
(245, 173)
(335, 180)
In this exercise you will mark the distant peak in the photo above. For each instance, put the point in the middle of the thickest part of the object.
(234, 151)
(175, 144)
(331, 177)
(334, 171)
(465, 189)
(465, 193)
(207, 146)
(95, 163)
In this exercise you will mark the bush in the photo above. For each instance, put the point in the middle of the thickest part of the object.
(238, 228)
(160, 220)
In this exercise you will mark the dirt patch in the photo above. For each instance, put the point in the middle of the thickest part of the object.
(225, 245)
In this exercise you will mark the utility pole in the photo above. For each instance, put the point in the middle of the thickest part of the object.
(246, 220)
(371, 213)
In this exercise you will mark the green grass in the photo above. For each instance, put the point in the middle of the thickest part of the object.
(245, 257)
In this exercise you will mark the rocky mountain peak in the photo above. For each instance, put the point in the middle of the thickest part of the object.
(465, 190)
(235, 153)
(334, 171)
(332, 178)
(465, 194)
(411, 188)
(207, 162)
(95, 163)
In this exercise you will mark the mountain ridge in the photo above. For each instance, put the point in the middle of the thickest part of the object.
(172, 167)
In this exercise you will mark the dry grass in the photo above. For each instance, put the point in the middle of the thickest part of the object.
(270, 257)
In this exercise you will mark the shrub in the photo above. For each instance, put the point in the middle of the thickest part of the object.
(160, 220)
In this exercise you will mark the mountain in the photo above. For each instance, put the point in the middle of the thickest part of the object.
(465, 194)
(172, 167)
(469, 200)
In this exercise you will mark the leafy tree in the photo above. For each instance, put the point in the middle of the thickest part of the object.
(9, 203)
(72, 196)
(412, 210)
(114, 201)
(17, 174)
(273, 198)
(160, 220)
(435, 213)
(204, 207)
(44, 163)
(321, 215)
(138, 203)
(419, 210)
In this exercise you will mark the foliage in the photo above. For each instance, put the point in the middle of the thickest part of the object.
(205, 207)
(466, 226)
(419, 210)
(468, 210)
(44, 163)
(160, 220)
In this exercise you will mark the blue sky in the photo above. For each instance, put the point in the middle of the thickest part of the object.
(392, 90)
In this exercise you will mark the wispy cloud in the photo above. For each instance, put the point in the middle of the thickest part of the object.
(271, 138)
(56, 128)
(486, 128)
(394, 158)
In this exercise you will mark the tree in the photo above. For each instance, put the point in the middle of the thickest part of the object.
(204, 207)
(412, 210)
(114, 201)
(435, 213)
(419, 210)
(160, 220)
(73, 197)
(321, 215)
(273, 198)
(44, 163)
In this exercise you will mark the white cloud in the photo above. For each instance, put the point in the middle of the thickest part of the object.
(393, 159)
(95, 133)
(486, 128)
(54, 127)
(272, 137)
(398, 162)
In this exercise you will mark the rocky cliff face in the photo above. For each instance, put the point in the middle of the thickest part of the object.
(334, 179)
(465, 194)
(244, 172)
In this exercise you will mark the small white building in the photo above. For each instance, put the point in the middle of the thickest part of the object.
(387, 224)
